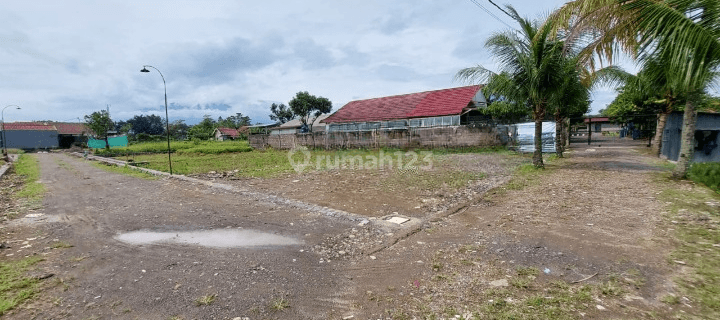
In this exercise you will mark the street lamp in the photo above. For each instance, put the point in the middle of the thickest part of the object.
(167, 121)
(4, 136)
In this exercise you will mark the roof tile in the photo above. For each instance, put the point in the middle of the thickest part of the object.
(413, 105)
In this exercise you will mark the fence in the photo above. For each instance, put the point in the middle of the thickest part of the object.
(447, 137)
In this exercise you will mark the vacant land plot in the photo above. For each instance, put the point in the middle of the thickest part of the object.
(602, 234)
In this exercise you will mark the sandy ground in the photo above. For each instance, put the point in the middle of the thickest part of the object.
(594, 213)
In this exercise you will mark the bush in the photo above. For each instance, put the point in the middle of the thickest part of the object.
(706, 173)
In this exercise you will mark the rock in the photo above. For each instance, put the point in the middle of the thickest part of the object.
(601, 308)
(680, 262)
(632, 298)
(499, 283)
(373, 257)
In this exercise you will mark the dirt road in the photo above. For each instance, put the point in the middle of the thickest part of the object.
(87, 207)
(587, 218)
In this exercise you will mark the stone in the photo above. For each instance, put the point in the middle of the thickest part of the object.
(373, 257)
(601, 308)
(499, 283)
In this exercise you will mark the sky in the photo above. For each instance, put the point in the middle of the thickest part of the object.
(62, 60)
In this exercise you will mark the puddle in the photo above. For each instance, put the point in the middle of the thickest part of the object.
(209, 238)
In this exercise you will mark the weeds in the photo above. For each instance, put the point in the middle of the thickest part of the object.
(696, 213)
(60, 245)
(706, 173)
(279, 304)
(205, 300)
(15, 287)
(28, 168)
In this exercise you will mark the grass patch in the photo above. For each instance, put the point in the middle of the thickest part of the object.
(15, 287)
(279, 304)
(271, 163)
(182, 147)
(707, 174)
(205, 300)
(696, 220)
(124, 170)
(28, 168)
(60, 245)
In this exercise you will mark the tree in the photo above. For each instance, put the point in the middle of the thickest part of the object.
(529, 61)
(150, 124)
(305, 106)
(99, 123)
(572, 99)
(203, 130)
(683, 33)
(178, 129)
(504, 111)
(235, 122)
(281, 113)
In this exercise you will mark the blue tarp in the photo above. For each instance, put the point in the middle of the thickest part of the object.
(120, 141)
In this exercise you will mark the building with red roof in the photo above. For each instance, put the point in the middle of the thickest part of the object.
(42, 134)
(223, 133)
(446, 107)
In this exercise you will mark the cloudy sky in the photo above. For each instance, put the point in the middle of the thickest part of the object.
(61, 60)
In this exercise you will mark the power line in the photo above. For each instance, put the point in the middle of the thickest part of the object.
(501, 9)
(490, 13)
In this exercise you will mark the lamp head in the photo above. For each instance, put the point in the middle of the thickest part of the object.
(144, 70)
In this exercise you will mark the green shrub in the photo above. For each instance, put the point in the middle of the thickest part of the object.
(706, 173)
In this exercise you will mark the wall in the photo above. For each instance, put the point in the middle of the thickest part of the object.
(708, 124)
(31, 139)
(458, 136)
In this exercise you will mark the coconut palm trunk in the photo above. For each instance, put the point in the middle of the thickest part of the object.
(537, 154)
(659, 131)
(687, 145)
(559, 140)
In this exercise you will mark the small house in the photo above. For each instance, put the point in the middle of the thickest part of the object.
(222, 134)
(602, 124)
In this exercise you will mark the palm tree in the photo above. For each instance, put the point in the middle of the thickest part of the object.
(529, 60)
(572, 99)
(683, 33)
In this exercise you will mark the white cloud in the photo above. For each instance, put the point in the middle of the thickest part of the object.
(62, 60)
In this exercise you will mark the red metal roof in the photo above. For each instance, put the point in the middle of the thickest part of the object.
(228, 132)
(422, 104)
(71, 128)
(45, 126)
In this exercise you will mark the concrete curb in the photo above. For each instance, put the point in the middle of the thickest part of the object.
(255, 195)
(7, 166)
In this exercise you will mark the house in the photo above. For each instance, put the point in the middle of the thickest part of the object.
(43, 135)
(222, 134)
(706, 137)
(602, 124)
(446, 107)
(295, 126)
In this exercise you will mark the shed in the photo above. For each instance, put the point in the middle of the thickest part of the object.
(30, 135)
(295, 125)
(706, 137)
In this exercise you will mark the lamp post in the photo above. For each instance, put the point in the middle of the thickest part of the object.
(4, 136)
(167, 121)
